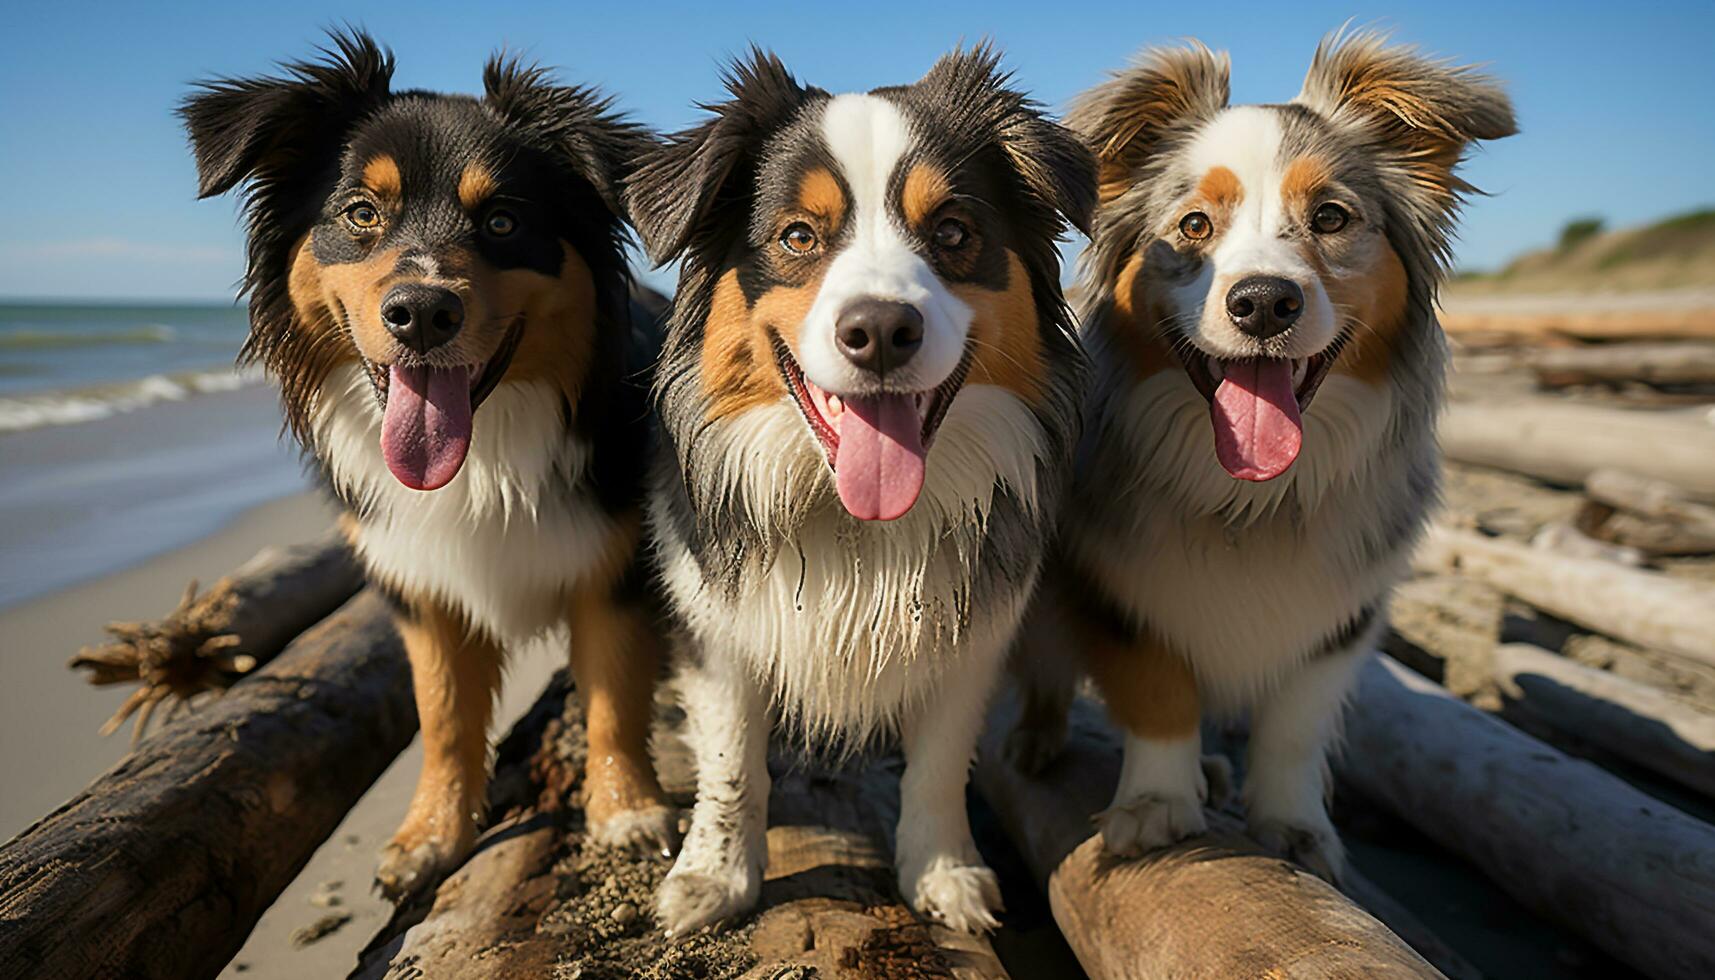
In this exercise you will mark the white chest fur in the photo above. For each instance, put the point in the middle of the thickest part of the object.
(852, 623)
(1250, 579)
(502, 542)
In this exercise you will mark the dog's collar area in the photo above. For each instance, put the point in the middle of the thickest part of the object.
(480, 388)
(821, 409)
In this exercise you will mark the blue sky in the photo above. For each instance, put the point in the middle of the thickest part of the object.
(98, 192)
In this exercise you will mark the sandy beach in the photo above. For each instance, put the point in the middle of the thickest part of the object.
(50, 710)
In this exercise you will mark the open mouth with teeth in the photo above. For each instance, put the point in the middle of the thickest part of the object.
(426, 412)
(877, 445)
(1256, 405)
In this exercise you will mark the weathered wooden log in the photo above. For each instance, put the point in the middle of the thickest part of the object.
(1564, 443)
(1646, 608)
(1633, 875)
(162, 866)
(1564, 539)
(1216, 906)
(1470, 320)
(1633, 721)
(213, 639)
(1651, 515)
(1689, 363)
(532, 899)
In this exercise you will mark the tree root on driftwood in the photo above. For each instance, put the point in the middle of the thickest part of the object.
(212, 640)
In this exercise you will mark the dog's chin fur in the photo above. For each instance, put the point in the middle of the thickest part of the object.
(852, 623)
(504, 541)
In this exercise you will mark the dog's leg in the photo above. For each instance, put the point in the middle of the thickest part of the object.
(1046, 671)
(719, 870)
(1151, 692)
(1287, 782)
(941, 874)
(455, 674)
(614, 653)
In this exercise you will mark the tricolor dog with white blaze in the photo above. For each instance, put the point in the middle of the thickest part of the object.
(1259, 449)
(868, 402)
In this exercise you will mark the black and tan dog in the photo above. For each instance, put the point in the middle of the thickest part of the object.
(1259, 451)
(438, 284)
(868, 400)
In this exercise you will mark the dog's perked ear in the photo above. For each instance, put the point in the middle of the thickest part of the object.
(1054, 165)
(577, 125)
(677, 184)
(1418, 113)
(1132, 116)
(269, 128)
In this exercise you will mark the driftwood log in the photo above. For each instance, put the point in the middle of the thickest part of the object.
(1216, 906)
(215, 638)
(1564, 443)
(163, 865)
(1651, 515)
(1580, 846)
(1649, 609)
(1633, 721)
(1566, 539)
(1691, 363)
(531, 900)
(1470, 322)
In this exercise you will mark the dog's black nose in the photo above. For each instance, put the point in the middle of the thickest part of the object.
(422, 317)
(879, 334)
(1263, 306)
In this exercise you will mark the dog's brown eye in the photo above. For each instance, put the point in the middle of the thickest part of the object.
(500, 223)
(951, 234)
(363, 216)
(798, 238)
(1196, 226)
(1329, 218)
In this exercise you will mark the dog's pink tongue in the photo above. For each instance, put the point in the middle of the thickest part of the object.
(1255, 413)
(425, 432)
(879, 465)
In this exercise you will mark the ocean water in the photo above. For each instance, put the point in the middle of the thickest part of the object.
(66, 364)
(126, 431)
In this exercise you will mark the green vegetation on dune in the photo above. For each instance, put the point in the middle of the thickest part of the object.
(1673, 253)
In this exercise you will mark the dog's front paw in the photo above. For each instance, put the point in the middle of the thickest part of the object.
(696, 899)
(650, 830)
(406, 871)
(1311, 844)
(1149, 822)
(965, 897)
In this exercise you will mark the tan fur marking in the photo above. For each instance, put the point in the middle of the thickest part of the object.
(1304, 179)
(559, 338)
(455, 673)
(1134, 322)
(475, 185)
(614, 653)
(1220, 189)
(381, 175)
(738, 368)
(1149, 689)
(1113, 179)
(1376, 301)
(348, 293)
(819, 194)
(926, 188)
(1006, 334)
